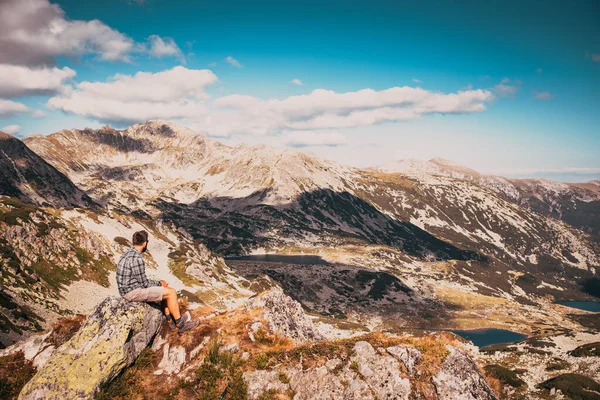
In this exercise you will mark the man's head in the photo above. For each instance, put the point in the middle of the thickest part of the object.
(140, 240)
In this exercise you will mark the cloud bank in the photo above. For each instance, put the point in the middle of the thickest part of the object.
(9, 108)
(11, 129)
(171, 94)
(20, 81)
(34, 32)
(180, 94)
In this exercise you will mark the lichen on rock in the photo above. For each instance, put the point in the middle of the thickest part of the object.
(110, 339)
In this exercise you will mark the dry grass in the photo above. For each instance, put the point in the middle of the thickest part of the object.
(64, 329)
(467, 300)
(495, 385)
(15, 371)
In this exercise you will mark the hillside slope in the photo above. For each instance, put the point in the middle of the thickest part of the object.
(25, 175)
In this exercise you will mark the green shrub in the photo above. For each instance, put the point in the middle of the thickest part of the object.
(354, 367)
(262, 360)
(504, 375)
(284, 378)
(587, 350)
(122, 241)
(574, 386)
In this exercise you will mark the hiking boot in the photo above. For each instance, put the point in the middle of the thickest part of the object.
(187, 323)
(171, 322)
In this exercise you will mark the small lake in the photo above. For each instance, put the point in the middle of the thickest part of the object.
(282, 258)
(593, 306)
(487, 337)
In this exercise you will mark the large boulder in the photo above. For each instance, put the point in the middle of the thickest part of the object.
(286, 316)
(459, 378)
(110, 339)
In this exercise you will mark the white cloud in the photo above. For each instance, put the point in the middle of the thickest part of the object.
(11, 129)
(297, 81)
(164, 47)
(39, 114)
(326, 109)
(506, 89)
(416, 80)
(180, 94)
(170, 94)
(314, 138)
(233, 62)
(24, 81)
(9, 108)
(539, 70)
(543, 95)
(35, 32)
(212, 64)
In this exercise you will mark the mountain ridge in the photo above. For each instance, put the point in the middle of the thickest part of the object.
(578, 204)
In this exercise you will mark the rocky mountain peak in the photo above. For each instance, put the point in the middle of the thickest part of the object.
(159, 158)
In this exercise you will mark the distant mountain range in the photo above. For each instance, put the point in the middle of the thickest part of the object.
(577, 204)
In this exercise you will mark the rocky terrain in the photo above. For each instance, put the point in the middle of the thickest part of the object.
(266, 349)
(402, 250)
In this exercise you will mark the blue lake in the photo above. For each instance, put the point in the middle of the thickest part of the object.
(487, 337)
(593, 306)
(282, 258)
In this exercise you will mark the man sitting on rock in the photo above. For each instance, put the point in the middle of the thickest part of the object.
(135, 286)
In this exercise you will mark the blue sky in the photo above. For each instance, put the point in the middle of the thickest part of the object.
(523, 77)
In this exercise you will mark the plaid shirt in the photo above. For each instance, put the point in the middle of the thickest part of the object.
(131, 272)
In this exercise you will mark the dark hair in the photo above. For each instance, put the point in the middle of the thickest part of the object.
(139, 238)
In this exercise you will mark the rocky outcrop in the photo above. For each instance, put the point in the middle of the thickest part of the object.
(369, 374)
(285, 316)
(373, 373)
(110, 339)
(459, 378)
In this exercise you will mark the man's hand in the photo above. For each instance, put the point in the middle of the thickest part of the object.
(163, 283)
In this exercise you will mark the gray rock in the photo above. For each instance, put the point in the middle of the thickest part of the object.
(382, 373)
(286, 316)
(409, 356)
(231, 348)
(174, 357)
(320, 383)
(262, 381)
(110, 339)
(459, 378)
